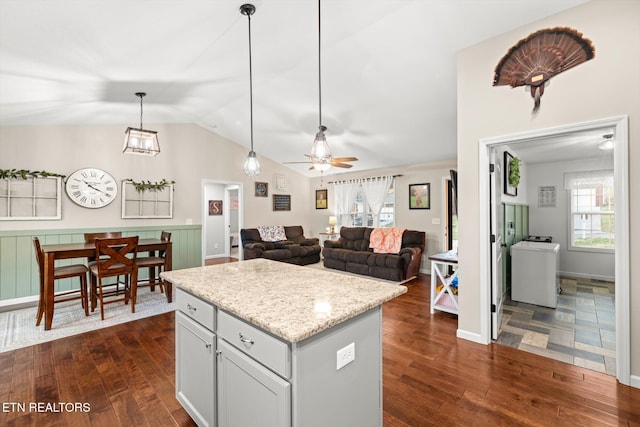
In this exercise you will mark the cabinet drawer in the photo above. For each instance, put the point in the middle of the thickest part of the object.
(265, 348)
(197, 309)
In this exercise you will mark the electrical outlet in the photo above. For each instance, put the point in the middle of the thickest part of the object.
(345, 356)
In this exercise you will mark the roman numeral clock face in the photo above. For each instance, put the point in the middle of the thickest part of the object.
(91, 188)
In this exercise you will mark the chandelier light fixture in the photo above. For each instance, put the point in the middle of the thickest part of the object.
(139, 140)
(251, 164)
(320, 153)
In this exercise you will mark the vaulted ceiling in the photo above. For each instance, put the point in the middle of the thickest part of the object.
(388, 69)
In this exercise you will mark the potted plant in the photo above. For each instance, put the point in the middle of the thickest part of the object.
(514, 172)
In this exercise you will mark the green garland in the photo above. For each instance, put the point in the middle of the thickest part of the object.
(514, 172)
(24, 174)
(150, 186)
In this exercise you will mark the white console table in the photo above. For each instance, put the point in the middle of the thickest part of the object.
(445, 299)
(328, 236)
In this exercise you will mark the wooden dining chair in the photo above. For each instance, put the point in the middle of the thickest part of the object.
(156, 265)
(90, 238)
(67, 271)
(114, 257)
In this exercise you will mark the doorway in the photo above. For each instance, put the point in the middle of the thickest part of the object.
(450, 215)
(622, 308)
(222, 219)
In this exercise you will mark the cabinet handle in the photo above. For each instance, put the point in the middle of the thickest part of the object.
(207, 345)
(190, 307)
(245, 340)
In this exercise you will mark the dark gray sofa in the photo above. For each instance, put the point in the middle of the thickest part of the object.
(296, 249)
(351, 253)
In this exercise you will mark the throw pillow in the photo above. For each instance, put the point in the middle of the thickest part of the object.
(272, 233)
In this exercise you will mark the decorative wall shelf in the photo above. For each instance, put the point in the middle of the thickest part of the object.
(147, 203)
(32, 198)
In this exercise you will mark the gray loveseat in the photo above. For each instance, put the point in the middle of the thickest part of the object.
(351, 253)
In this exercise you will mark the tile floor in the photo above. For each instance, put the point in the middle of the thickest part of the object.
(581, 330)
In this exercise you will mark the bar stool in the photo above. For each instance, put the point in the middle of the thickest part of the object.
(115, 257)
(75, 270)
(90, 238)
(153, 262)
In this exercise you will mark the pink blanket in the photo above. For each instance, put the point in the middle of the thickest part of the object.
(386, 240)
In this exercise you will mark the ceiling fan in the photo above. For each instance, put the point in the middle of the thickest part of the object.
(338, 162)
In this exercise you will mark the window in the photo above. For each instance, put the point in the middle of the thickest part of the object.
(362, 216)
(592, 215)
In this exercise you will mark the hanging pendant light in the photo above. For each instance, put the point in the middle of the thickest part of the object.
(320, 153)
(251, 164)
(139, 140)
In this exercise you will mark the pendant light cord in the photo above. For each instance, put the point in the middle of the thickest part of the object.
(141, 96)
(319, 71)
(250, 82)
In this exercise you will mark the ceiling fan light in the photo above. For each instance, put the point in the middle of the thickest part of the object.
(322, 166)
(251, 164)
(141, 141)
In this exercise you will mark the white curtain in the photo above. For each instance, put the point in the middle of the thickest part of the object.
(345, 194)
(375, 191)
(588, 179)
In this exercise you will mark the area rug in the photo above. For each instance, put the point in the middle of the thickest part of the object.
(18, 328)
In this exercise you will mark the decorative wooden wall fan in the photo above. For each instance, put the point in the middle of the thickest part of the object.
(543, 54)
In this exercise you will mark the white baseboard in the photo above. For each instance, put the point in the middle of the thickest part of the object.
(586, 276)
(470, 336)
(216, 256)
(634, 381)
(15, 303)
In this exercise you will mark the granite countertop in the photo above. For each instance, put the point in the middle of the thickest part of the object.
(290, 301)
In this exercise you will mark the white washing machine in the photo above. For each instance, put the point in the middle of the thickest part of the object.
(534, 273)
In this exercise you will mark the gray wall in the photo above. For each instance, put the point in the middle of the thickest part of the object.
(548, 221)
(189, 154)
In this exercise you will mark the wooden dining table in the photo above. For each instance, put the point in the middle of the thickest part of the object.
(86, 250)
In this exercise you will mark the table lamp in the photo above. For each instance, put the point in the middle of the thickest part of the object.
(332, 222)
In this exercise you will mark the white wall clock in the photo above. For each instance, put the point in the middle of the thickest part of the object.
(91, 188)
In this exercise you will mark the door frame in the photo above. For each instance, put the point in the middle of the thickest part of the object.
(622, 274)
(225, 208)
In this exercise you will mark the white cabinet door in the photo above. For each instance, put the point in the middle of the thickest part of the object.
(248, 393)
(195, 369)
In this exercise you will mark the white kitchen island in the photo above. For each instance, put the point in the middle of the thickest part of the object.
(264, 343)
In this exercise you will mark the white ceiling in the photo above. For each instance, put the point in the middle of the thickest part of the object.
(388, 69)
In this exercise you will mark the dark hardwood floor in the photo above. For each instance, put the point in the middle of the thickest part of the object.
(125, 374)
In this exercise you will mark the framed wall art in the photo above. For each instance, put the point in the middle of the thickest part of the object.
(511, 175)
(420, 196)
(321, 199)
(282, 202)
(215, 207)
(262, 189)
